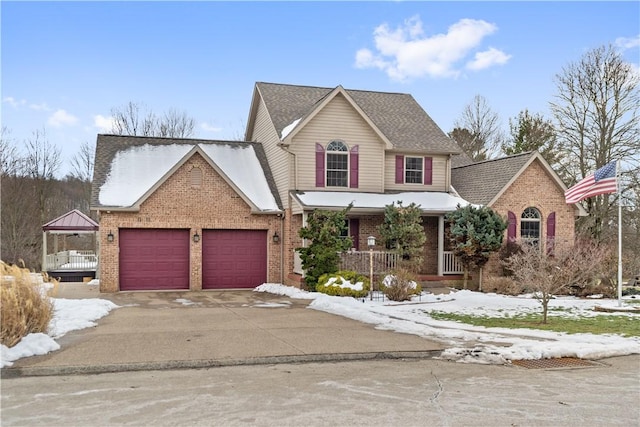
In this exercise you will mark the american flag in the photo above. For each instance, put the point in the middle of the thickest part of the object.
(603, 181)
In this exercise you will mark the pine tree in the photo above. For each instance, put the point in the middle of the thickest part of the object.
(324, 229)
(474, 234)
(402, 232)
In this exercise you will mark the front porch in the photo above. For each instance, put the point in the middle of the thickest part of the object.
(384, 262)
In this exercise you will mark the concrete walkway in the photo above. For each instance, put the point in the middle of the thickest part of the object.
(151, 330)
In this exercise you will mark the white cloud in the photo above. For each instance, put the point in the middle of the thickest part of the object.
(40, 107)
(62, 118)
(407, 52)
(13, 102)
(626, 43)
(210, 128)
(487, 59)
(104, 124)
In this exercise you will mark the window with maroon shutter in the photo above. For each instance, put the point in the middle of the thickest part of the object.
(413, 170)
(551, 232)
(319, 165)
(353, 167)
(511, 226)
(337, 164)
(428, 170)
(530, 226)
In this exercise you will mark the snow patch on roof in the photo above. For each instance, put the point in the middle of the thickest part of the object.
(428, 201)
(243, 168)
(287, 130)
(136, 169)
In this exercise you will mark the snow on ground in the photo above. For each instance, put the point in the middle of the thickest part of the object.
(465, 343)
(68, 315)
(476, 344)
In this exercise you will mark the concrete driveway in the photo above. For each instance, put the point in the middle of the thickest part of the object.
(160, 330)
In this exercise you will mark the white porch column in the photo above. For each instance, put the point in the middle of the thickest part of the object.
(440, 244)
(44, 251)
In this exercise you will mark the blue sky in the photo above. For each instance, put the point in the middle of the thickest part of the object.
(65, 65)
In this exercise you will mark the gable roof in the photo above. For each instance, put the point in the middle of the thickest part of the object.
(130, 168)
(484, 182)
(396, 116)
(71, 221)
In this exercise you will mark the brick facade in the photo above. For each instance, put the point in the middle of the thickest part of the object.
(535, 188)
(178, 203)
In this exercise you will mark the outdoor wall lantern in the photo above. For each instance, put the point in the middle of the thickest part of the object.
(371, 242)
(196, 237)
(110, 237)
(276, 237)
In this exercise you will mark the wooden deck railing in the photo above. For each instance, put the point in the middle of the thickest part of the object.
(71, 261)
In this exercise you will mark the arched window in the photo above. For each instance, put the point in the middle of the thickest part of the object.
(530, 226)
(337, 164)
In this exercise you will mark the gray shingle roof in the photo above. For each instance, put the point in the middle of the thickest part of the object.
(108, 146)
(480, 182)
(397, 115)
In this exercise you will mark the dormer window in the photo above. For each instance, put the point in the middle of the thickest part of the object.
(337, 164)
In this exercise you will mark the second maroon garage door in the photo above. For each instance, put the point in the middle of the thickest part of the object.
(234, 258)
(154, 259)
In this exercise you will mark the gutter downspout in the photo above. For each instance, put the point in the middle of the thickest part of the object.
(282, 243)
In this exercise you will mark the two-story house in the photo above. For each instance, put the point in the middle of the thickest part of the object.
(200, 214)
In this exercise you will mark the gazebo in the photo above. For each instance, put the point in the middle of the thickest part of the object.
(72, 262)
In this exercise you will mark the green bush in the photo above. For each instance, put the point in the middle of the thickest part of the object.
(335, 284)
(401, 286)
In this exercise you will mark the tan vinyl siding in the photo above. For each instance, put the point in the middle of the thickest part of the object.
(439, 181)
(340, 121)
(280, 161)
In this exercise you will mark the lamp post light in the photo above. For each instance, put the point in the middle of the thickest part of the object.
(371, 242)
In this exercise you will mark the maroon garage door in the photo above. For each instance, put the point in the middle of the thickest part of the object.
(234, 258)
(154, 259)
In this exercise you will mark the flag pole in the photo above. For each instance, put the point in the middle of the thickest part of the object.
(619, 234)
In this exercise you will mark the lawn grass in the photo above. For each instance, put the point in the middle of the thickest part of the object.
(603, 324)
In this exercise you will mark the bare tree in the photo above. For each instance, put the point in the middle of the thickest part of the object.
(41, 163)
(596, 109)
(136, 120)
(484, 125)
(176, 124)
(130, 120)
(9, 158)
(82, 163)
(547, 274)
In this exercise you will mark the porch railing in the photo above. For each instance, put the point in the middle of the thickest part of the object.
(359, 261)
(451, 264)
(71, 260)
(383, 262)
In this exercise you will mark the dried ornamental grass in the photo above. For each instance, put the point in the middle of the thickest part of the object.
(25, 308)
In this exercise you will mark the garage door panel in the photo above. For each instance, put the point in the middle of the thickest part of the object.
(234, 258)
(154, 259)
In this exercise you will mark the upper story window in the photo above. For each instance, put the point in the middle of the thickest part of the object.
(530, 226)
(337, 164)
(413, 170)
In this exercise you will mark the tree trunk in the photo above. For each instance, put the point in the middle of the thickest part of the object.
(480, 280)
(466, 276)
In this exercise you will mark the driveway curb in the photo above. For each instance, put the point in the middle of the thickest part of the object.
(40, 371)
